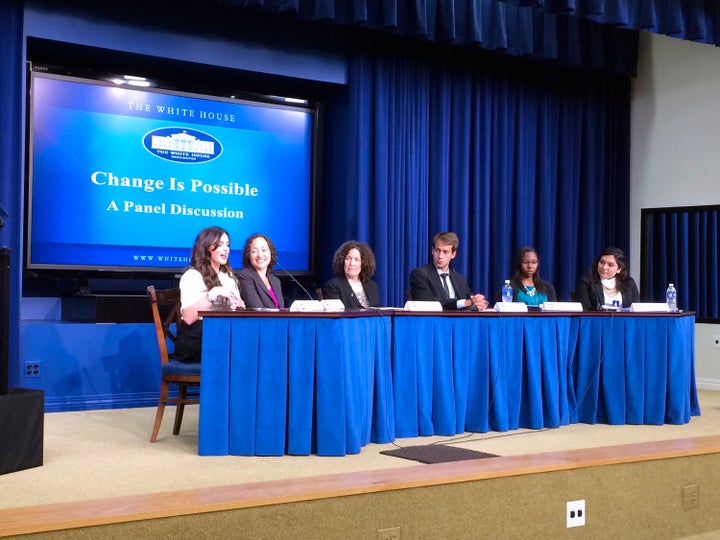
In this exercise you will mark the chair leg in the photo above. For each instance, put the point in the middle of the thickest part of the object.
(180, 407)
(164, 388)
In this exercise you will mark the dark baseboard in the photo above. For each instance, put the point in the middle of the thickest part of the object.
(102, 308)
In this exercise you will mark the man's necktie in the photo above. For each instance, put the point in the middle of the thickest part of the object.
(446, 291)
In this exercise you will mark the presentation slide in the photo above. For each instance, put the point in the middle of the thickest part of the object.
(124, 178)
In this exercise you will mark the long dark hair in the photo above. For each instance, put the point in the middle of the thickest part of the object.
(207, 240)
(623, 275)
(517, 276)
(367, 259)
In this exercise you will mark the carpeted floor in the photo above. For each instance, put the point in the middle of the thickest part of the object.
(97, 454)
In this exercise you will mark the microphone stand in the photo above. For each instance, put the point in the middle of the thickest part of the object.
(281, 267)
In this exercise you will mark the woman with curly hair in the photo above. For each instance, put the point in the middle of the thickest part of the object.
(354, 266)
(260, 288)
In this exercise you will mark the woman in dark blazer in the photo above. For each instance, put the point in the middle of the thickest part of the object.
(608, 281)
(353, 265)
(259, 288)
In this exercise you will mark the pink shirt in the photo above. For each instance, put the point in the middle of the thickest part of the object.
(272, 294)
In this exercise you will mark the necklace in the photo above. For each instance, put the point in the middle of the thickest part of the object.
(529, 289)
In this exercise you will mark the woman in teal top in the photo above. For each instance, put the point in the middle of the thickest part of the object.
(528, 286)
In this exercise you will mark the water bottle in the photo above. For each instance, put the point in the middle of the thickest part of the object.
(671, 297)
(507, 292)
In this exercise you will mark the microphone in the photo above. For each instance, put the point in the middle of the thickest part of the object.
(281, 267)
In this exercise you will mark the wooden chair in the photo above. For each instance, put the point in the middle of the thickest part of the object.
(319, 293)
(183, 374)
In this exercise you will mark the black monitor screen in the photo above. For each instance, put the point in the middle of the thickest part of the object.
(123, 177)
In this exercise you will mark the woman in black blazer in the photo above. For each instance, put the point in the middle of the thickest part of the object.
(259, 288)
(607, 282)
(353, 265)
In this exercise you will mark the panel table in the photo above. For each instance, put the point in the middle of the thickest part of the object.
(298, 383)
(468, 371)
(463, 371)
(277, 383)
(631, 368)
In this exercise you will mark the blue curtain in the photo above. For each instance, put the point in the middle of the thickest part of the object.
(11, 67)
(10, 115)
(693, 20)
(504, 152)
(588, 33)
(508, 28)
(681, 245)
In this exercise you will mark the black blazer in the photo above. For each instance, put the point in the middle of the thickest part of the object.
(340, 288)
(253, 290)
(426, 285)
(590, 294)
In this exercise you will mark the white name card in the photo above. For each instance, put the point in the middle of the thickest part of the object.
(648, 307)
(306, 305)
(420, 305)
(511, 307)
(561, 306)
(334, 304)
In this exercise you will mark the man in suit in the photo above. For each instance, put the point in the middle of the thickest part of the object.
(438, 282)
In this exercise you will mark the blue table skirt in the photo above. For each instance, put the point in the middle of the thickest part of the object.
(480, 373)
(302, 385)
(489, 372)
(634, 369)
(274, 385)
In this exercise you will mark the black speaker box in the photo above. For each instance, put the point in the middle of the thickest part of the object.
(22, 413)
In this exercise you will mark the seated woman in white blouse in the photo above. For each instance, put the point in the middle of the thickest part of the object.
(206, 284)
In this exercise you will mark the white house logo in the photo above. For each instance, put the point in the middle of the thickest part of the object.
(182, 145)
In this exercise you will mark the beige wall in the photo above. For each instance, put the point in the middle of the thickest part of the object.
(675, 155)
(641, 500)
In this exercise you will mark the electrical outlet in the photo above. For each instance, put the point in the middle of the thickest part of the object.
(575, 513)
(716, 341)
(691, 496)
(391, 533)
(32, 369)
